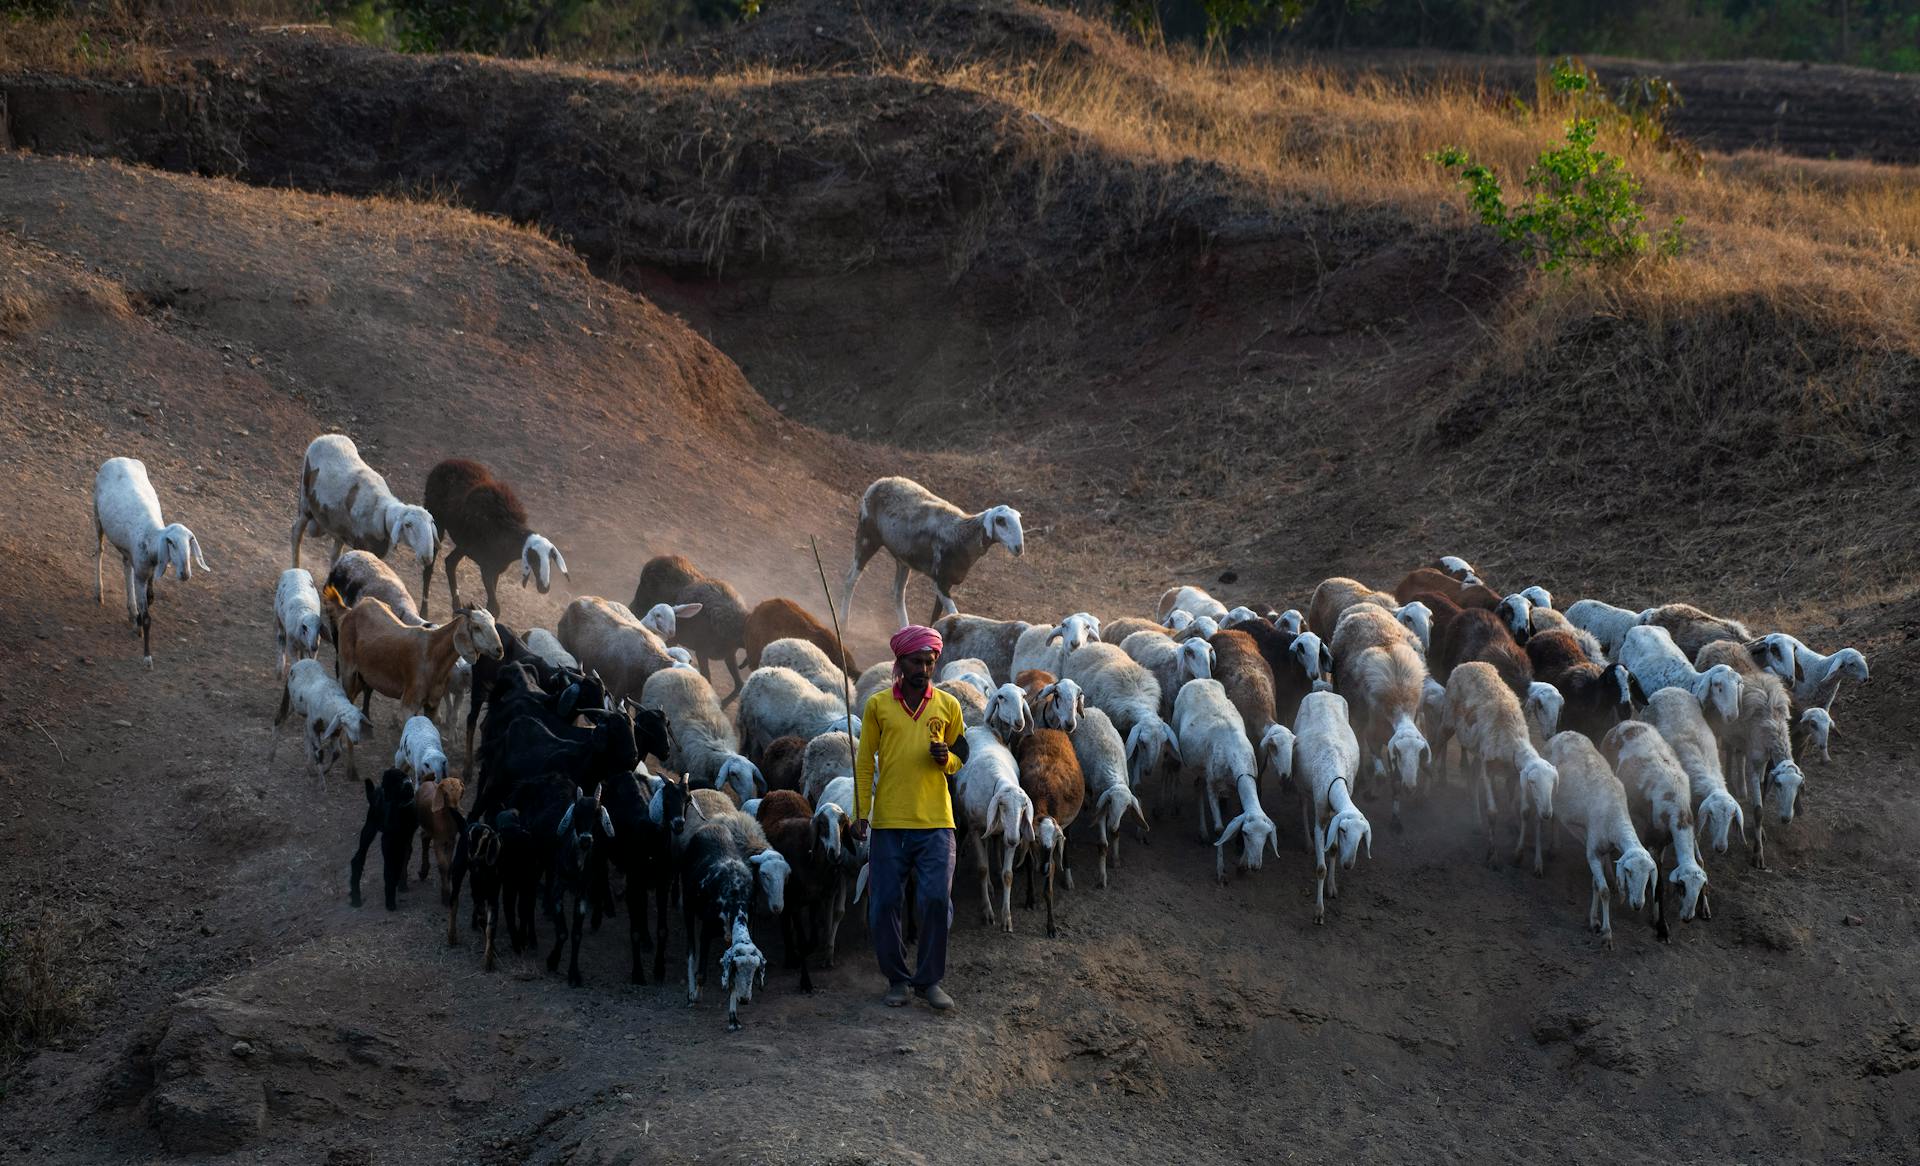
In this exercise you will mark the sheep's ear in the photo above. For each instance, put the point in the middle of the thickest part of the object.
(1326, 660)
(687, 610)
(566, 822)
(1056, 634)
(199, 560)
(559, 562)
(1233, 828)
(1173, 747)
(606, 822)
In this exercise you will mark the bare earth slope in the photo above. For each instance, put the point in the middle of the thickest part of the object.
(1444, 1010)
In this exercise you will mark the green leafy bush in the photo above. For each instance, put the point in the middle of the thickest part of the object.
(1583, 204)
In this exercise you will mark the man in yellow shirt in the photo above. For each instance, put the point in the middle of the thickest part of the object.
(910, 745)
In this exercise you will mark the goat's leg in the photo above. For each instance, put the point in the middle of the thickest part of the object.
(1539, 828)
(579, 921)
(367, 835)
(1046, 868)
(394, 856)
(1660, 902)
(733, 670)
(426, 853)
(491, 579)
(493, 914)
(1027, 864)
(1320, 886)
(1006, 888)
(660, 889)
(299, 534)
(838, 911)
(986, 881)
(636, 926)
(900, 572)
(866, 544)
(99, 563)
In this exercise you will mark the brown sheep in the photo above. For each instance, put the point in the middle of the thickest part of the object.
(1479, 635)
(484, 520)
(1693, 629)
(1050, 775)
(780, 762)
(778, 806)
(1597, 697)
(779, 619)
(662, 580)
(1248, 679)
(1440, 583)
(1334, 596)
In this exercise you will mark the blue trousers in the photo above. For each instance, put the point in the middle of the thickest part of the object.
(928, 856)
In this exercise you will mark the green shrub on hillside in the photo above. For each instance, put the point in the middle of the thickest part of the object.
(1583, 206)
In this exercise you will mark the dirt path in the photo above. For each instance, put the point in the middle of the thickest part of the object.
(1445, 1010)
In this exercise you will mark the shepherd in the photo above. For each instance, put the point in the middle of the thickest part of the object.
(910, 748)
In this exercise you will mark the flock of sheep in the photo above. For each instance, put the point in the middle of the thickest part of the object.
(1648, 735)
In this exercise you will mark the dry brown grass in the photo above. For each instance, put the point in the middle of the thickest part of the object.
(49, 976)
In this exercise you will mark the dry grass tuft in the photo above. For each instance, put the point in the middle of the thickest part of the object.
(49, 977)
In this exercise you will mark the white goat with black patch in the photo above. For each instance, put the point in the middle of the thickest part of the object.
(1170, 664)
(1046, 647)
(1657, 662)
(1663, 810)
(1684, 728)
(1815, 678)
(1591, 805)
(1606, 623)
(421, 755)
(331, 723)
(1116, 683)
(1215, 749)
(998, 814)
(299, 623)
(1458, 567)
(777, 702)
(1486, 718)
(925, 533)
(343, 498)
(806, 658)
(705, 747)
(1326, 759)
(126, 512)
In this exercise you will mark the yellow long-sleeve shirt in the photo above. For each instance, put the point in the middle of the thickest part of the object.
(912, 793)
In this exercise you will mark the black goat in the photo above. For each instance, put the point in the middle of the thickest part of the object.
(811, 882)
(641, 851)
(716, 893)
(486, 523)
(479, 849)
(1293, 671)
(1597, 698)
(390, 814)
(529, 749)
(578, 863)
(521, 693)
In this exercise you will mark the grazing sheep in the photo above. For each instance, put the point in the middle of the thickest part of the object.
(1115, 683)
(1102, 754)
(783, 619)
(706, 750)
(1657, 787)
(343, 498)
(1591, 804)
(989, 640)
(379, 653)
(995, 810)
(779, 701)
(1116, 631)
(331, 723)
(1050, 775)
(1192, 600)
(1457, 567)
(1605, 623)
(606, 638)
(1326, 758)
(827, 758)
(1426, 579)
(1486, 718)
(298, 621)
(928, 534)
(126, 511)
(359, 575)
(662, 579)
(1244, 673)
(1334, 596)
(718, 628)
(1679, 720)
(1299, 661)
(1170, 665)
(1812, 730)
(1383, 679)
(1815, 679)
(1543, 705)
(1657, 662)
(485, 522)
(809, 661)
(1046, 647)
(1692, 629)
(390, 816)
(1594, 698)
(1479, 635)
(1758, 742)
(1215, 750)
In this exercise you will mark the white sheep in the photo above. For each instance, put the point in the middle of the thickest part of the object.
(806, 658)
(1200, 626)
(681, 658)
(1693, 629)
(1214, 747)
(876, 678)
(971, 669)
(1114, 682)
(1758, 743)
(1485, 716)
(299, 623)
(331, 723)
(1591, 805)
(1684, 728)
(1103, 762)
(997, 811)
(663, 619)
(1326, 759)
(1663, 809)
(1046, 647)
(341, 496)
(1176, 620)
(1818, 727)
(1544, 705)
(1060, 705)
(1815, 678)
(1604, 622)
(826, 759)
(605, 637)
(545, 645)
(836, 803)
(777, 702)
(1458, 567)
(1192, 600)
(421, 755)
(1657, 662)
(1293, 622)
(990, 641)
(705, 747)
(928, 534)
(1238, 616)
(1417, 618)
(1170, 664)
(126, 511)
(1008, 715)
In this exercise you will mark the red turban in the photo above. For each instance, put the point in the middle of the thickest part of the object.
(914, 638)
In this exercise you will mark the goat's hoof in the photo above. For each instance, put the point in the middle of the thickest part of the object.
(553, 964)
(733, 1026)
(392, 906)
(353, 900)
(575, 980)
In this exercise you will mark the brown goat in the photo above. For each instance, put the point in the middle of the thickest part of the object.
(1050, 775)
(1597, 697)
(1479, 635)
(380, 653)
(1440, 583)
(779, 619)
(778, 806)
(1248, 679)
(433, 803)
(1031, 681)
